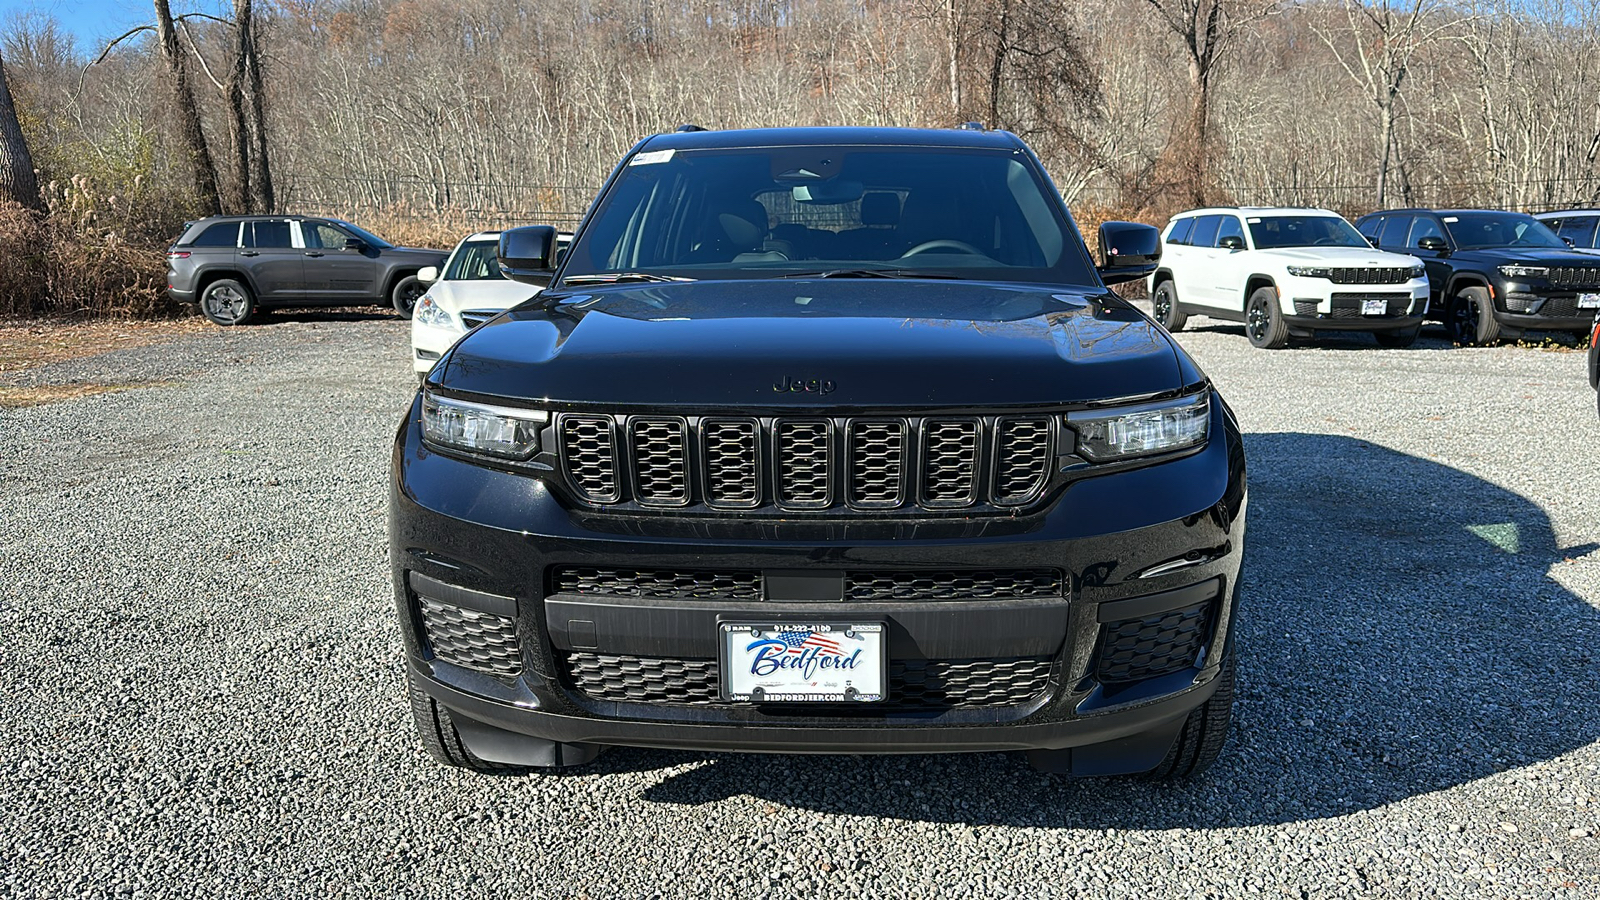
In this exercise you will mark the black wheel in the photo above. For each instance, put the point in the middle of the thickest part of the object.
(1263, 321)
(1164, 305)
(1469, 319)
(1405, 337)
(407, 291)
(228, 302)
(1203, 735)
(439, 735)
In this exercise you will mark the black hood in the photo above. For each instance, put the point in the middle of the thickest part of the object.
(1527, 256)
(846, 342)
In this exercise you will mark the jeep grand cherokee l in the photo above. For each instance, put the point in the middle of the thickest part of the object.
(1493, 274)
(235, 266)
(821, 441)
(1285, 273)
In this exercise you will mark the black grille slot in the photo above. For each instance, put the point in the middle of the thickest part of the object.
(733, 462)
(949, 462)
(877, 463)
(914, 684)
(1587, 277)
(1373, 275)
(661, 583)
(1348, 306)
(660, 463)
(1021, 459)
(1159, 644)
(589, 445)
(471, 639)
(472, 318)
(804, 453)
(979, 584)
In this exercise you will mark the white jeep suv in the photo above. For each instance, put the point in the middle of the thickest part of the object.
(1285, 273)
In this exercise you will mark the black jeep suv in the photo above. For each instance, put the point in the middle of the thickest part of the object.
(1493, 274)
(233, 266)
(822, 440)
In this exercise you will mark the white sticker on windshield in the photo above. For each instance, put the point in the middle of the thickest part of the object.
(651, 158)
(1254, 220)
(1451, 219)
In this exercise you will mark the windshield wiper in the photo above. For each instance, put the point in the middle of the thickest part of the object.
(868, 273)
(618, 277)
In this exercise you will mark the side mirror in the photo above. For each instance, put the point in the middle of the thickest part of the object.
(1128, 251)
(1572, 244)
(1231, 242)
(428, 275)
(527, 254)
(1436, 244)
(355, 244)
(1373, 240)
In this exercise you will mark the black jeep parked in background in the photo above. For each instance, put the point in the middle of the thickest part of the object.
(233, 266)
(1493, 274)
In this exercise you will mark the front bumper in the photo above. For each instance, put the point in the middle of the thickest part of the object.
(429, 343)
(1317, 304)
(1130, 547)
(1540, 307)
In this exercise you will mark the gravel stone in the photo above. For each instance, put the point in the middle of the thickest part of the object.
(201, 689)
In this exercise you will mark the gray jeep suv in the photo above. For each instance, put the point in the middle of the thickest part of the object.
(233, 266)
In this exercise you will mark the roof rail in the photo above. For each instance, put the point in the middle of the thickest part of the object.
(689, 127)
(971, 126)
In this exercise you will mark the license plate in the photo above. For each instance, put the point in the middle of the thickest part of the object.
(1589, 301)
(803, 662)
(1374, 307)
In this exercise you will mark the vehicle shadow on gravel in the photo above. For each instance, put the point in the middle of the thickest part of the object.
(1399, 634)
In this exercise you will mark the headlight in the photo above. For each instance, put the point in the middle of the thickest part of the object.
(1311, 271)
(1133, 431)
(1418, 270)
(1524, 271)
(495, 430)
(429, 312)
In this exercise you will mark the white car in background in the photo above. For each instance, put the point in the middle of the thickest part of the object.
(469, 292)
(1285, 272)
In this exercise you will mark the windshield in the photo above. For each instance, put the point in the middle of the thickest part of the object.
(474, 261)
(1477, 230)
(856, 210)
(1272, 232)
(362, 233)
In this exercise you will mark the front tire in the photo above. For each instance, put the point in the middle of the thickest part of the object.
(1164, 306)
(1405, 337)
(1470, 319)
(1263, 321)
(1203, 735)
(228, 302)
(407, 291)
(439, 735)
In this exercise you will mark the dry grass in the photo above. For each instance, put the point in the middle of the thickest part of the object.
(25, 344)
(18, 397)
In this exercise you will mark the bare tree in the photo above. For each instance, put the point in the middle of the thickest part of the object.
(203, 170)
(17, 181)
(1375, 48)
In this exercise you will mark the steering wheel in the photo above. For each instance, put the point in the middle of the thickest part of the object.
(958, 246)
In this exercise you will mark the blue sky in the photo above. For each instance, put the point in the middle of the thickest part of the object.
(93, 22)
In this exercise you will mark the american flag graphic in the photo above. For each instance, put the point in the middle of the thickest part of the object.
(799, 641)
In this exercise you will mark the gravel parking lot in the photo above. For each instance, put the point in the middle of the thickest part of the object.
(201, 690)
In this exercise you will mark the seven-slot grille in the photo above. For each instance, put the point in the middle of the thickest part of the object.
(1372, 275)
(803, 463)
(1587, 277)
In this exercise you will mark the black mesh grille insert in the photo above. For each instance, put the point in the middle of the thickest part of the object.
(660, 464)
(589, 446)
(804, 450)
(1348, 306)
(471, 639)
(1136, 649)
(1562, 308)
(877, 463)
(662, 583)
(914, 684)
(977, 584)
(733, 471)
(1022, 459)
(949, 462)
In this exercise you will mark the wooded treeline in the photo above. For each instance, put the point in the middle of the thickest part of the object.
(425, 118)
